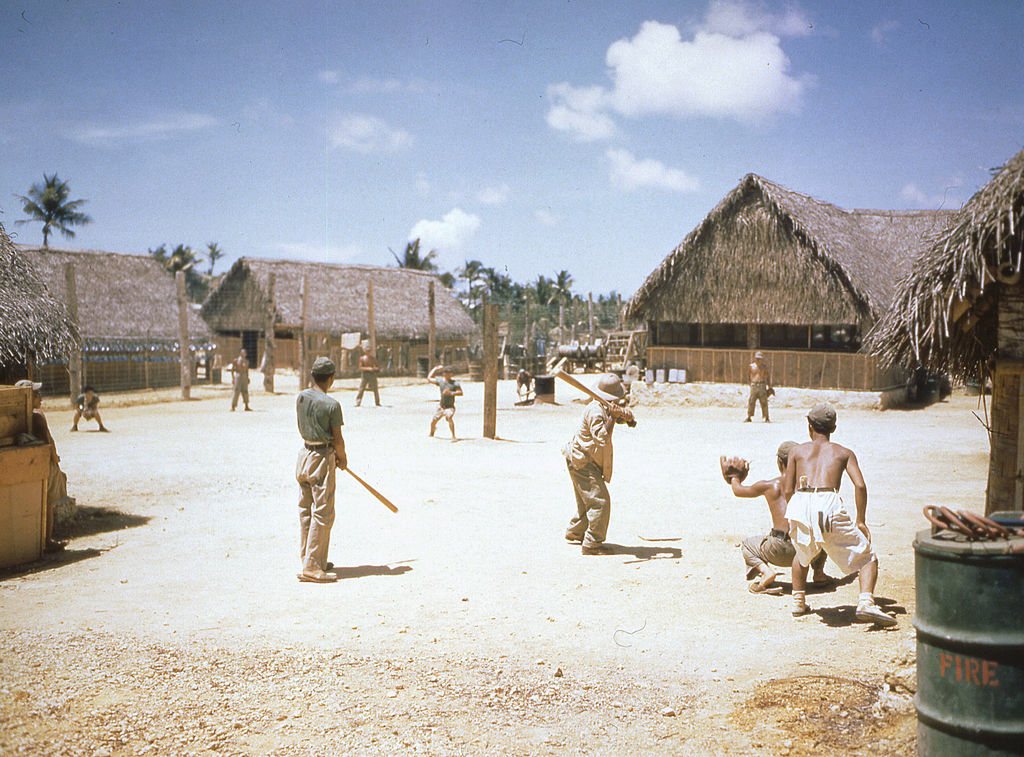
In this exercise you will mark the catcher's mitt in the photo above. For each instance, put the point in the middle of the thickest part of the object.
(771, 391)
(734, 466)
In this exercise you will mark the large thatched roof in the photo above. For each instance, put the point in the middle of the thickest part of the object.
(129, 298)
(943, 315)
(767, 254)
(30, 319)
(337, 300)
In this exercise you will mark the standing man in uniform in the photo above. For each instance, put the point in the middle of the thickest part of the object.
(450, 389)
(760, 386)
(818, 519)
(588, 456)
(320, 421)
(368, 370)
(239, 368)
(762, 554)
(87, 406)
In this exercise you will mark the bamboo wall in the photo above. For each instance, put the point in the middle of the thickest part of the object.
(794, 368)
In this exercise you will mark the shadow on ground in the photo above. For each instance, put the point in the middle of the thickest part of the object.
(97, 520)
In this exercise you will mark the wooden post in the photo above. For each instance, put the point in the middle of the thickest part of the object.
(183, 338)
(527, 341)
(590, 317)
(371, 324)
(490, 370)
(561, 323)
(75, 356)
(268, 339)
(575, 320)
(432, 334)
(1006, 460)
(304, 295)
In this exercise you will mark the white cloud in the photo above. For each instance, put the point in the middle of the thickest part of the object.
(368, 85)
(732, 67)
(448, 235)
(365, 133)
(880, 32)
(161, 128)
(546, 217)
(948, 198)
(328, 77)
(629, 173)
(318, 252)
(497, 195)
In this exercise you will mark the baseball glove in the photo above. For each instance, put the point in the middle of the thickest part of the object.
(771, 391)
(734, 466)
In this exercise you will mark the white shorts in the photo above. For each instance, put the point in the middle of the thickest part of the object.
(818, 520)
(444, 412)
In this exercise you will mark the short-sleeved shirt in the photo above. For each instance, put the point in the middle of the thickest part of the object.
(91, 404)
(447, 400)
(318, 414)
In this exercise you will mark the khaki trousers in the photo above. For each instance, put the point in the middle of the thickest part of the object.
(315, 472)
(758, 394)
(241, 389)
(593, 505)
(368, 381)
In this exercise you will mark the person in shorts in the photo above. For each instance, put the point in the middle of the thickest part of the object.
(818, 519)
(87, 406)
(368, 370)
(450, 389)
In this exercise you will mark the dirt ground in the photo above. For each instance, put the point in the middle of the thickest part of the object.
(464, 625)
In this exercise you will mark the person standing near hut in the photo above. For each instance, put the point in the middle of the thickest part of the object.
(761, 389)
(450, 389)
(588, 456)
(368, 370)
(762, 554)
(87, 406)
(239, 368)
(818, 519)
(320, 421)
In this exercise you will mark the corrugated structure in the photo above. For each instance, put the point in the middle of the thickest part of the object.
(773, 269)
(126, 311)
(961, 309)
(336, 304)
(33, 325)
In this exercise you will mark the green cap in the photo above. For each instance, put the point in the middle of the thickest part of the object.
(822, 415)
(784, 448)
(322, 366)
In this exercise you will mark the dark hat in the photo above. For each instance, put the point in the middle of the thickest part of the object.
(784, 448)
(36, 386)
(822, 415)
(609, 387)
(447, 369)
(322, 366)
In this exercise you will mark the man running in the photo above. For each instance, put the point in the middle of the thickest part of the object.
(818, 519)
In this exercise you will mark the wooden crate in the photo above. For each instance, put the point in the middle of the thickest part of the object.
(23, 475)
(15, 413)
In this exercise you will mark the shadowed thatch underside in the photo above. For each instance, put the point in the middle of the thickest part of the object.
(120, 297)
(944, 314)
(337, 301)
(767, 254)
(30, 319)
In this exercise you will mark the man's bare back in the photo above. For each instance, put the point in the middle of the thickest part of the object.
(758, 373)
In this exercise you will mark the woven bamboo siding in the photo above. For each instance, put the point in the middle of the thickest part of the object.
(810, 370)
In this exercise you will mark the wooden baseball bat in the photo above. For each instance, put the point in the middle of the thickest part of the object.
(573, 382)
(383, 500)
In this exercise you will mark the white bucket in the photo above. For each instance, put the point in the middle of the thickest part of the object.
(659, 375)
(649, 376)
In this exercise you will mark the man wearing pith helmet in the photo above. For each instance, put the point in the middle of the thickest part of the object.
(320, 421)
(588, 456)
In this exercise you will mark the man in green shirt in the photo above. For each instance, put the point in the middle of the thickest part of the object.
(320, 421)
(87, 406)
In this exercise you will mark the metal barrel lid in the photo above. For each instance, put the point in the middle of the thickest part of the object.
(953, 543)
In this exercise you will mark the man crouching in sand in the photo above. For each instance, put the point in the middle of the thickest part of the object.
(761, 553)
(818, 519)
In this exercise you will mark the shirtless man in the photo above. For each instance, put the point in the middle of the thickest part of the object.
(760, 553)
(524, 383)
(450, 389)
(368, 370)
(818, 519)
(760, 386)
(239, 368)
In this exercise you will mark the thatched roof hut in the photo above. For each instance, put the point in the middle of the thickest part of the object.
(767, 254)
(961, 310)
(31, 321)
(944, 316)
(336, 300)
(120, 298)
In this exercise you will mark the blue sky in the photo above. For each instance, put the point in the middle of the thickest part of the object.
(533, 136)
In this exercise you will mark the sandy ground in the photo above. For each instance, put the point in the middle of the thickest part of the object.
(464, 624)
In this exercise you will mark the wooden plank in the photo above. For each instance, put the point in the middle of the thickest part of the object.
(19, 465)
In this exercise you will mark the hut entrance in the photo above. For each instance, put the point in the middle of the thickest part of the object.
(250, 343)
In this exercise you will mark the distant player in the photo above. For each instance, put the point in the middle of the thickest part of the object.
(87, 406)
(524, 383)
(239, 368)
(368, 370)
(761, 389)
(450, 389)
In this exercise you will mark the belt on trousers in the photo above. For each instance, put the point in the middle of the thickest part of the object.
(317, 447)
(779, 534)
(817, 489)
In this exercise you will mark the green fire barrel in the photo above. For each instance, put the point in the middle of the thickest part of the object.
(970, 646)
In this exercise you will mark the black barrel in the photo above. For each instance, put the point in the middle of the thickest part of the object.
(970, 646)
(544, 388)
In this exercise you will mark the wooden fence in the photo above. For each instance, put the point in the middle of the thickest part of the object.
(793, 368)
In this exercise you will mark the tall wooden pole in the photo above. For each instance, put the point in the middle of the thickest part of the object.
(371, 323)
(304, 295)
(432, 334)
(490, 370)
(75, 356)
(268, 339)
(527, 346)
(183, 338)
(590, 316)
(561, 323)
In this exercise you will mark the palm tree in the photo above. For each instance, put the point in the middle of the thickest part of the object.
(562, 288)
(213, 253)
(50, 204)
(411, 257)
(473, 272)
(184, 258)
